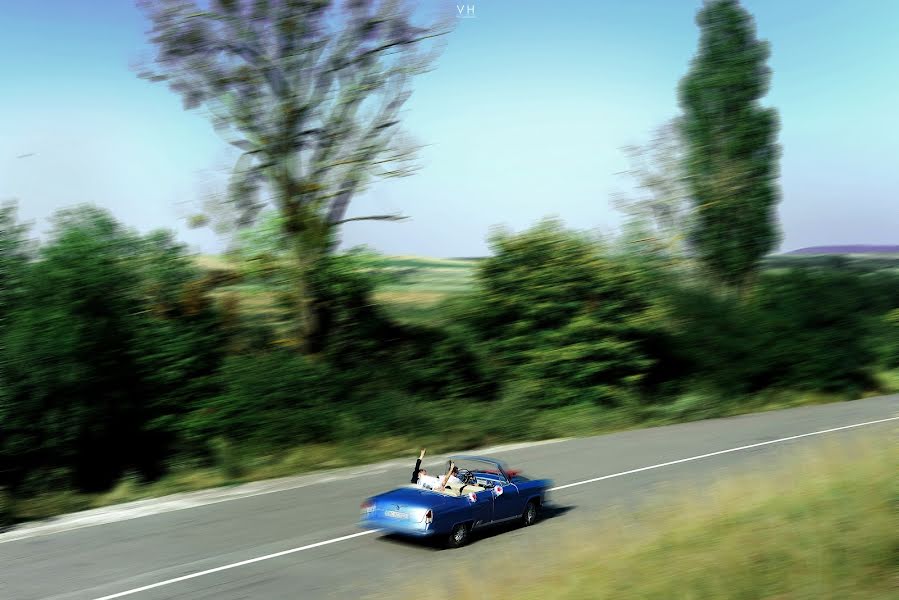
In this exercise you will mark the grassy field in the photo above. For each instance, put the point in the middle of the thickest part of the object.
(824, 525)
(422, 284)
(858, 262)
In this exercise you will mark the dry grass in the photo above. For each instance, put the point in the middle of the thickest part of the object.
(417, 297)
(823, 526)
(211, 261)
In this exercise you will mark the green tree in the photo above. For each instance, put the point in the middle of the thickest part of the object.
(71, 375)
(15, 253)
(731, 154)
(15, 257)
(109, 346)
(311, 93)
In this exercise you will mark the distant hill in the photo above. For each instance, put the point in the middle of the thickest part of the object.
(851, 249)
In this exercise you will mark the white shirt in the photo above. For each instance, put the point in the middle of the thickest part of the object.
(432, 483)
(429, 482)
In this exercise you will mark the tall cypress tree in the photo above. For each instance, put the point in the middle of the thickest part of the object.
(731, 150)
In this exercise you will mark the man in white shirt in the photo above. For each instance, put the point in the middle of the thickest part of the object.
(429, 482)
(438, 483)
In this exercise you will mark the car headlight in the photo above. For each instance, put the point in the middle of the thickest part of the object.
(367, 507)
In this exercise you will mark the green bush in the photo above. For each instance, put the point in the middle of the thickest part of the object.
(719, 341)
(804, 329)
(556, 308)
(815, 324)
(274, 399)
(889, 340)
(226, 458)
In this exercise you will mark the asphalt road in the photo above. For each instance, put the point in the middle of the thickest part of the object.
(100, 561)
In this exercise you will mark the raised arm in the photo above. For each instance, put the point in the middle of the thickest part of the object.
(417, 466)
(445, 478)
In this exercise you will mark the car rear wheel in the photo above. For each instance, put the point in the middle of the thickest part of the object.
(459, 536)
(531, 513)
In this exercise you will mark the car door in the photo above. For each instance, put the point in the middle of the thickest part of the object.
(481, 507)
(506, 501)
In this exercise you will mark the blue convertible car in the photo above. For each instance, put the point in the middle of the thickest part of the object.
(488, 494)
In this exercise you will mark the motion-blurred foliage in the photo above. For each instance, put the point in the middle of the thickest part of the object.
(805, 329)
(111, 343)
(731, 149)
(554, 307)
(120, 355)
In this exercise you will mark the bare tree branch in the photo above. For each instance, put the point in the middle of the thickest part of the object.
(373, 218)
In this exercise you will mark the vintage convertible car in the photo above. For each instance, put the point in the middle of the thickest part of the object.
(489, 494)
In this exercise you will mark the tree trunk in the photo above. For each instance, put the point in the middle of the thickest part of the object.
(307, 321)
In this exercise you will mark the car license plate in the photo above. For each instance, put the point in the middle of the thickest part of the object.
(393, 514)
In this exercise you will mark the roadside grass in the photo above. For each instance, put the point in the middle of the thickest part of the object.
(824, 524)
(888, 381)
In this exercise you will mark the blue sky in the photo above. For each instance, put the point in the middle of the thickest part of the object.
(524, 115)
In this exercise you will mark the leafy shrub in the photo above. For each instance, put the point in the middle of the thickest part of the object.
(889, 346)
(274, 399)
(816, 329)
(554, 307)
(717, 340)
(805, 330)
(226, 457)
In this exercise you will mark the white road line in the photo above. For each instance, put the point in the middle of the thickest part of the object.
(560, 487)
(683, 460)
(235, 565)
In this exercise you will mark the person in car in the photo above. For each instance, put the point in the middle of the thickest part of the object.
(421, 478)
(452, 476)
(416, 472)
(429, 482)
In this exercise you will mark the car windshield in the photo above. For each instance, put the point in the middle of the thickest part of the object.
(486, 471)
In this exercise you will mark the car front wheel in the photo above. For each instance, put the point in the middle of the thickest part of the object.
(531, 512)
